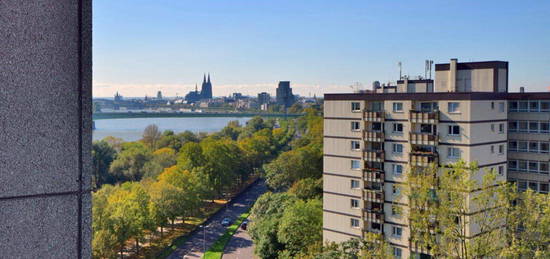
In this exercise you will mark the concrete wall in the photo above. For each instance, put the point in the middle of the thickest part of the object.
(45, 129)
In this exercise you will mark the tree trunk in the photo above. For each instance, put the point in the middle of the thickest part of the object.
(160, 231)
(121, 254)
(137, 246)
(173, 224)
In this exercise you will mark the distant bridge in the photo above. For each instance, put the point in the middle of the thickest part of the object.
(132, 115)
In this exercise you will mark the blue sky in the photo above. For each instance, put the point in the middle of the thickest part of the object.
(141, 46)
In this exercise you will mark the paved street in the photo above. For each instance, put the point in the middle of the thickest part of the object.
(193, 248)
(240, 246)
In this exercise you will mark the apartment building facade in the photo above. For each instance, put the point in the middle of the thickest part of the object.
(466, 113)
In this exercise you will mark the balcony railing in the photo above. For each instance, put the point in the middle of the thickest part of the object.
(374, 155)
(376, 216)
(423, 158)
(424, 117)
(373, 175)
(374, 136)
(423, 138)
(375, 116)
(374, 195)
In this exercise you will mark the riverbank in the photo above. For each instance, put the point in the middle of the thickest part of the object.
(132, 115)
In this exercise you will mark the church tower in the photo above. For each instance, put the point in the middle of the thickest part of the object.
(206, 89)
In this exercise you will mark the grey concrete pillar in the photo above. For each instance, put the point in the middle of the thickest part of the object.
(45, 128)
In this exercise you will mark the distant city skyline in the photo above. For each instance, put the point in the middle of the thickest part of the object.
(141, 47)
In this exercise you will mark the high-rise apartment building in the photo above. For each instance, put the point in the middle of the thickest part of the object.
(466, 113)
(284, 94)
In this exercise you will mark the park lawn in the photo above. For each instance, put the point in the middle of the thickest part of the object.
(216, 250)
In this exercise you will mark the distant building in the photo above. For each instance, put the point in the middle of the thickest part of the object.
(159, 95)
(237, 96)
(284, 94)
(118, 97)
(193, 96)
(206, 88)
(264, 98)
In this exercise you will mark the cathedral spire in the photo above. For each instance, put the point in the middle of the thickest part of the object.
(204, 78)
(209, 78)
(196, 89)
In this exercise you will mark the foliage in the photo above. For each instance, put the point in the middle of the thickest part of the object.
(103, 155)
(373, 246)
(151, 136)
(129, 163)
(308, 188)
(301, 225)
(293, 165)
(162, 158)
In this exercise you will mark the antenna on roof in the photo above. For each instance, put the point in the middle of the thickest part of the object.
(428, 69)
(400, 69)
(356, 87)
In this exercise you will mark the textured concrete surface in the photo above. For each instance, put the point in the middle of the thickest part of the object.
(45, 128)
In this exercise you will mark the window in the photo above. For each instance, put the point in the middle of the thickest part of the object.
(534, 126)
(501, 128)
(512, 145)
(533, 106)
(396, 231)
(513, 164)
(397, 148)
(544, 106)
(492, 105)
(377, 126)
(543, 188)
(523, 106)
(397, 127)
(452, 107)
(355, 184)
(522, 185)
(501, 149)
(454, 130)
(501, 107)
(533, 166)
(377, 107)
(523, 126)
(397, 253)
(453, 152)
(533, 147)
(355, 107)
(544, 127)
(522, 165)
(354, 203)
(543, 167)
(492, 149)
(512, 126)
(397, 107)
(395, 189)
(354, 223)
(522, 146)
(355, 164)
(355, 126)
(355, 145)
(513, 106)
(428, 128)
(544, 147)
(500, 170)
(493, 127)
(534, 186)
(397, 169)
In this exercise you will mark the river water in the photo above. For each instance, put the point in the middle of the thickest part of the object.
(132, 129)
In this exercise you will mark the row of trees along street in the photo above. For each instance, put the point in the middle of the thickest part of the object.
(143, 189)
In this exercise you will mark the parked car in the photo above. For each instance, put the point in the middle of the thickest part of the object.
(244, 225)
(226, 222)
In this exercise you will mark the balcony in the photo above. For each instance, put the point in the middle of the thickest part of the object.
(424, 117)
(374, 136)
(423, 158)
(375, 116)
(375, 216)
(374, 195)
(373, 175)
(423, 138)
(374, 155)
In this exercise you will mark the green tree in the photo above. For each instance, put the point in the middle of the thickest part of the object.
(301, 226)
(129, 163)
(190, 156)
(103, 155)
(308, 188)
(162, 158)
(290, 166)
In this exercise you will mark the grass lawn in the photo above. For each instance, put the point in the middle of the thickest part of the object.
(216, 250)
